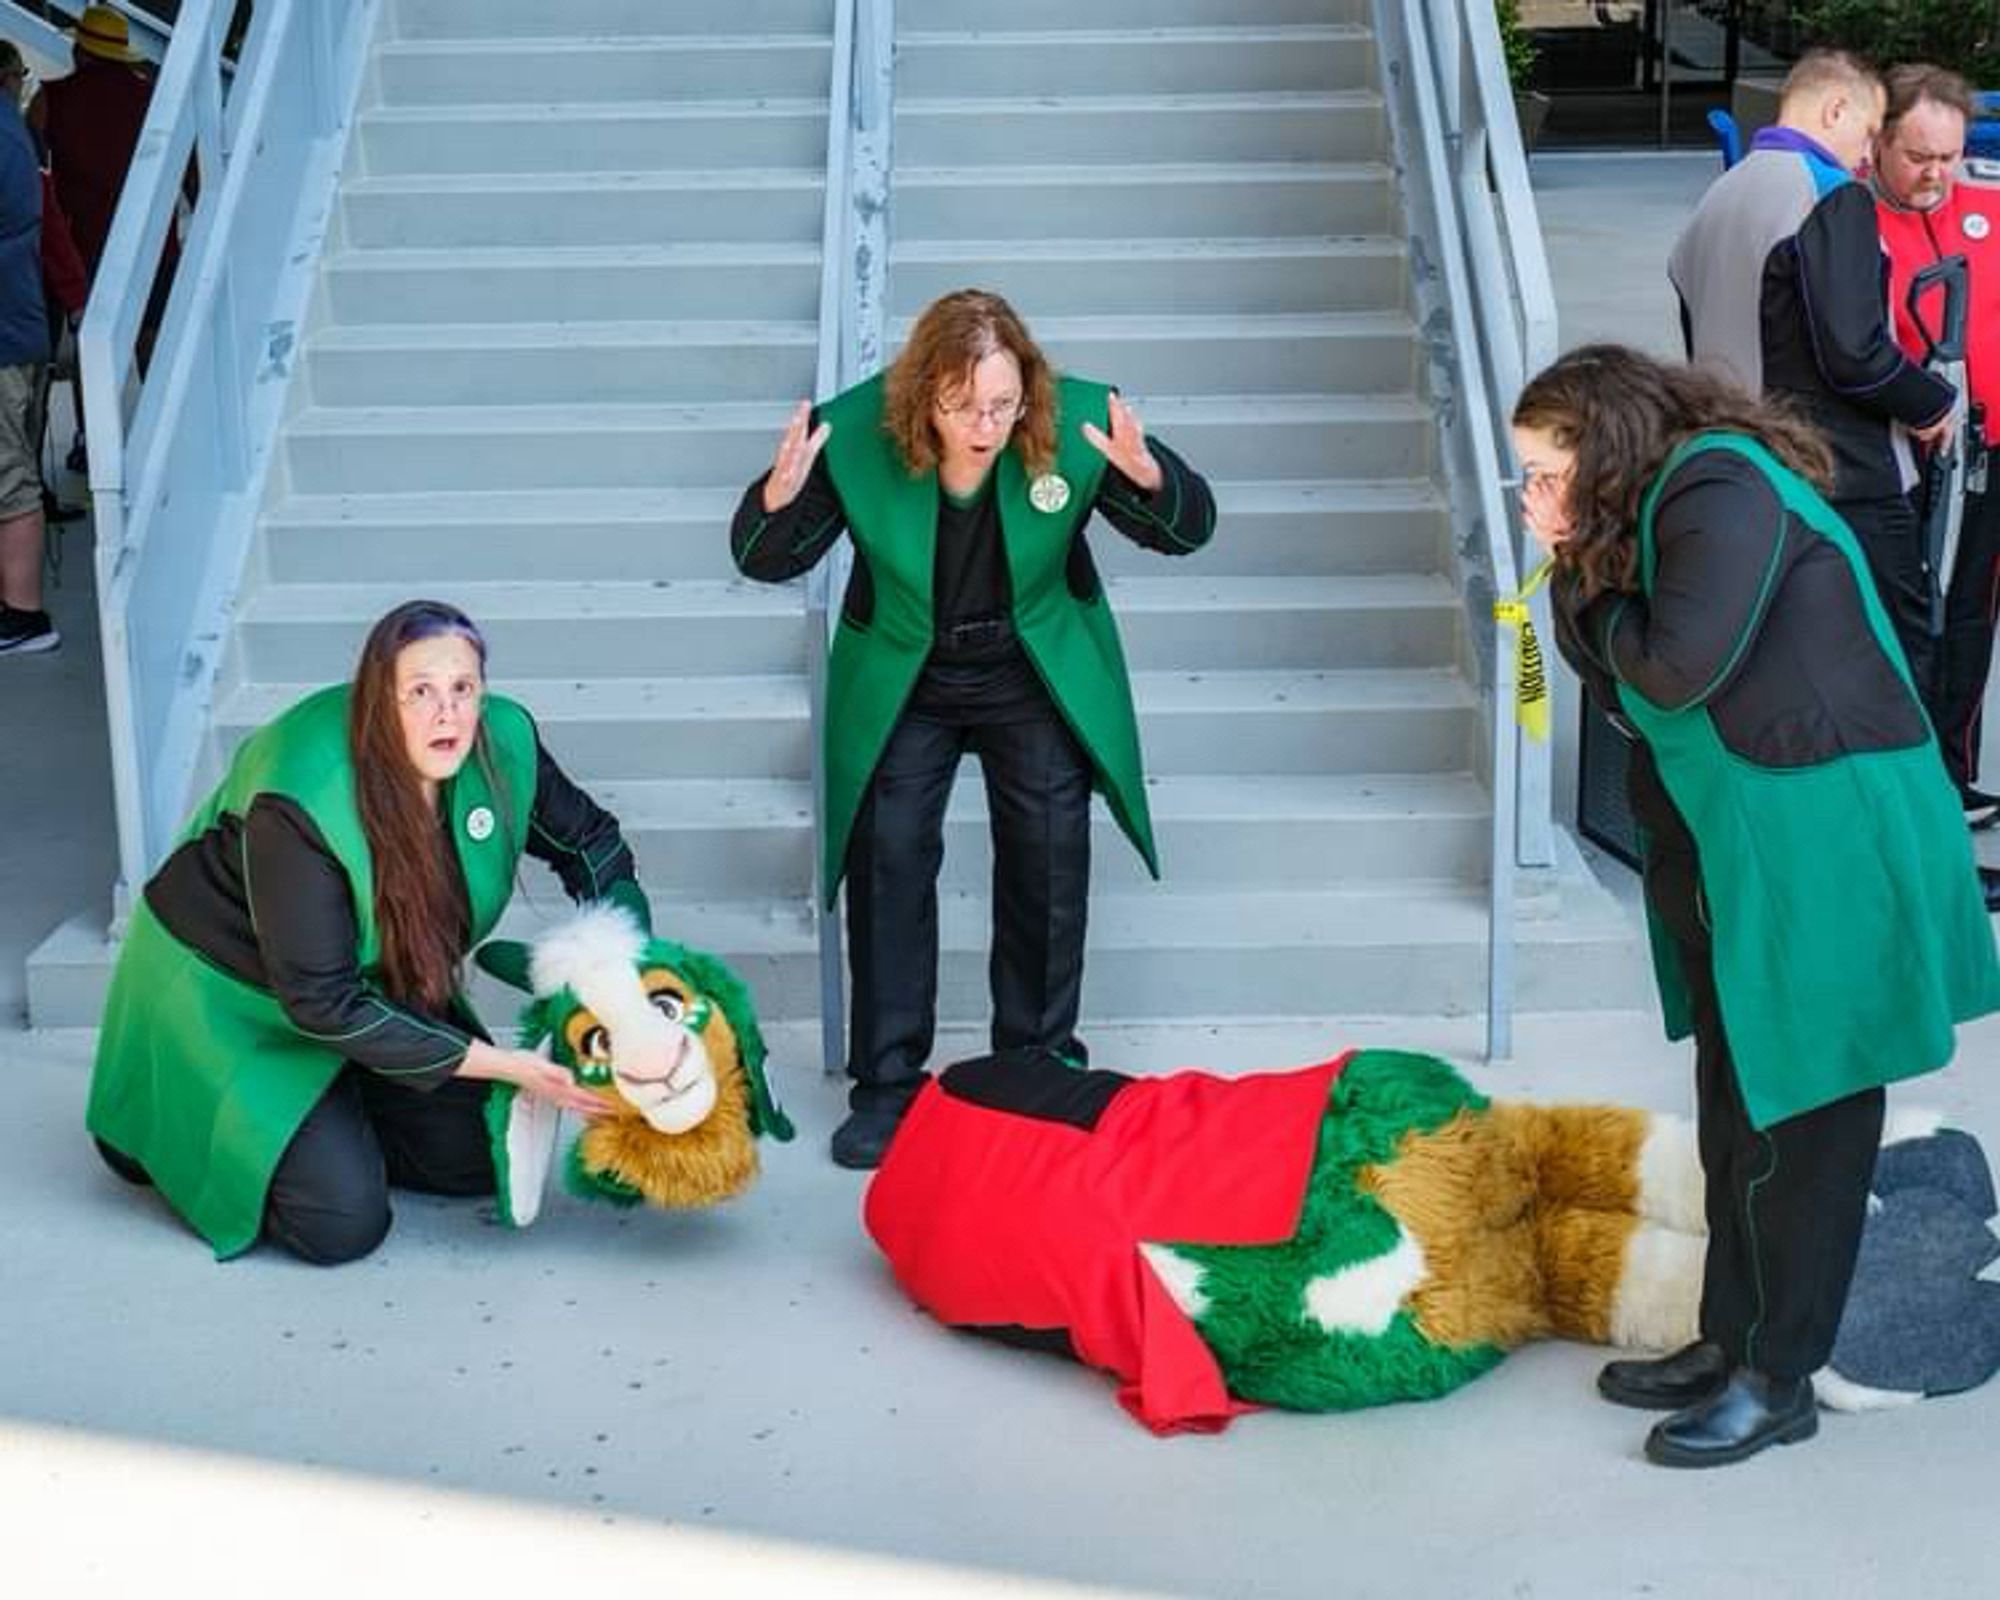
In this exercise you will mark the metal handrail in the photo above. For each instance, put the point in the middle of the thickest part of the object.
(852, 274)
(178, 453)
(36, 35)
(1488, 309)
(826, 380)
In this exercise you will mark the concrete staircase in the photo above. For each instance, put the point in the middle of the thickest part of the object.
(1194, 199)
(572, 295)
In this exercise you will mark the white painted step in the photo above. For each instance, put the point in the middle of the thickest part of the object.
(312, 632)
(980, 15)
(1297, 353)
(561, 534)
(532, 447)
(461, 20)
(582, 209)
(1144, 277)
(405, 141)
(738, 836)
(1295, 436)
(562, 71)
(1351, 526)
(730, 281)
(1099, 60)
(1209, 200)
(453, 364)
(1086, 129)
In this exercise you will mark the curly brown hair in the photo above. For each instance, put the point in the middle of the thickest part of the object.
(953, 335)
(1623, 414)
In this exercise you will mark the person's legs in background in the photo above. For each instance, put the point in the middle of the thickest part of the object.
(1890, 539)
(25, 628)
(1971, 608)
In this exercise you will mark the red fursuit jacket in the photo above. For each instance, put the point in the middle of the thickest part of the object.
(1017, 1192)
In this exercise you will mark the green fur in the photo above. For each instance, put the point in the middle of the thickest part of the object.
(711, 976)
(587, 1184)
(1255, 1321)
(545, 1016)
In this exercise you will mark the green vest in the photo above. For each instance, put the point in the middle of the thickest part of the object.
(200, 1077)
(892, 518)
(1849, 932)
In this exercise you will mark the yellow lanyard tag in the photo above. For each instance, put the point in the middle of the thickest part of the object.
(1531, 680)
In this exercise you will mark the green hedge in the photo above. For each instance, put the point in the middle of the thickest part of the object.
(1960, 34)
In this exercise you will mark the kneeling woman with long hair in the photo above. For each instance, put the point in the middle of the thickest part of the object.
(1817, 923)
(286, 1036)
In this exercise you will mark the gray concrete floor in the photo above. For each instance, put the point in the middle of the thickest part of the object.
(742, 1403)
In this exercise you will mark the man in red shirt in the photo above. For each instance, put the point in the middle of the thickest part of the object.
(91, 120)
(1929, 208)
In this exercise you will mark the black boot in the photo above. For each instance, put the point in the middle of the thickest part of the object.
(862, 1140)
(1667, 1383)
(1752, 1411)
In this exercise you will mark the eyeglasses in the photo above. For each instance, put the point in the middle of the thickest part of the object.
(1000, 413)
(430, 698)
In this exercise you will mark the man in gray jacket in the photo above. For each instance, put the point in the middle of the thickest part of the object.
(1782, 282)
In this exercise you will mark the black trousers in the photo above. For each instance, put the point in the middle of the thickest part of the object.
(1972, 605)
(329, 1197)
(1785, 1205)
(1891, 539)
(1038, 783)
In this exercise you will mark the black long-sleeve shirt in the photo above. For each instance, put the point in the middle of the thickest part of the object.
(1754, 617)
(263, 897)
(976, 666)
(1783, 283)
(971, 572)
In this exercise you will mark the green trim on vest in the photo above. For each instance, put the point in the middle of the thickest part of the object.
(202, 1078)
(1073, 644)
(1848, 928)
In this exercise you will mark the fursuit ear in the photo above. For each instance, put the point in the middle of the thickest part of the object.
(507, 960)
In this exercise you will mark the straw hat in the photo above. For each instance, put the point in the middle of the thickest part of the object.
(101, 32)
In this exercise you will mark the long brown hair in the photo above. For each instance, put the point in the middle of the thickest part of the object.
(419, 914)
(1623, 414)
(953, 335)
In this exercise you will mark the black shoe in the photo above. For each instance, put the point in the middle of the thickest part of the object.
(1667, 1383)
(860, 1142)
(1751, 1412)
(26, 633)
(1989, 886)
(1982, 810)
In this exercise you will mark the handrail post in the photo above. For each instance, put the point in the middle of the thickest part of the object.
(175, 450)
(853, 243)
(1485, 301)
